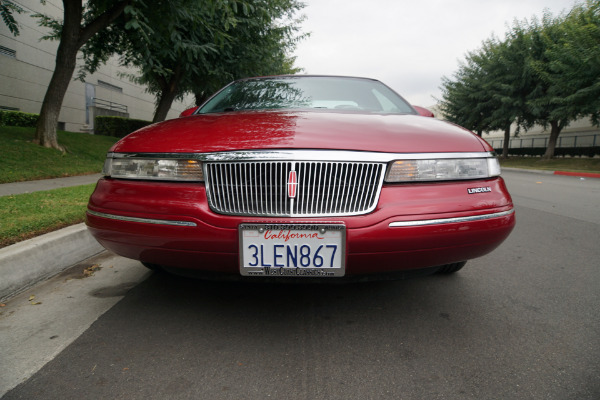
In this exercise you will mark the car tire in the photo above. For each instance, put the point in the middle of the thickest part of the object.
(451, 268)
(153, 267)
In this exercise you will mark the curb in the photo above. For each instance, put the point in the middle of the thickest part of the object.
(26, 263)
(545, 172)
(532, 171)
(578, 174)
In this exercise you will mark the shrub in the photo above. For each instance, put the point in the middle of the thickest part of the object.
(18, 118)
(117, 126)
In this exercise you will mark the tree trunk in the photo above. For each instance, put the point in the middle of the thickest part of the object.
(201, 97)
(72, 37)
(167, 95)
(66, 59)
(554, 132)
(164, 104)
(506, 143)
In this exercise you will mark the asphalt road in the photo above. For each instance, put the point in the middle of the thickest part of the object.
(520, 323)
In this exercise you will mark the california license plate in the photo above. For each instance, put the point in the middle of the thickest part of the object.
(295, 250)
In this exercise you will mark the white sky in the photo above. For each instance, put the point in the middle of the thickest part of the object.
(408, 45)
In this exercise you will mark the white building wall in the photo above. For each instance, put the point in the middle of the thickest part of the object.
(24, 78)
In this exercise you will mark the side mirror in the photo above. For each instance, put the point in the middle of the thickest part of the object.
(424, 112)
(188, 112)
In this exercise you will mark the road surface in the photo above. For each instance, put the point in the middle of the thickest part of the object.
(520, 323)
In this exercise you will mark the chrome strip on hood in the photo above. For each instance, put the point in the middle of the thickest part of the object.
(305, 155)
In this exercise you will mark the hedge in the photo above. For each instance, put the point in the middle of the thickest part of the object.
(18, 118)
(117, 126)
(559, 151)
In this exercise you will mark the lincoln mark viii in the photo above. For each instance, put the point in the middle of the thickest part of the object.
(302, 176)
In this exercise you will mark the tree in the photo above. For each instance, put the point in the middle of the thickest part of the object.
(486, 94)
(81, 22)
(540, 101)
(169, 44)
(206, 44)
(566, 61)
(461, 97)
(545, 72)
(259, 44)
(7, 8)
(506, 87)
(575, 67)
(500, 99)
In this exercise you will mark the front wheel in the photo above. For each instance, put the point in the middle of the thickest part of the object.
(451, 268)
(153, 267)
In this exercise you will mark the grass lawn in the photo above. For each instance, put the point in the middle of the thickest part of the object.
(24, 216)
(556, 164)
(23, 160)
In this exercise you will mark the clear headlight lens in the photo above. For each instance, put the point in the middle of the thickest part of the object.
(442, 169)
(153, 168)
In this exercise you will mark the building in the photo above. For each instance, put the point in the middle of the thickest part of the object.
(27, 64)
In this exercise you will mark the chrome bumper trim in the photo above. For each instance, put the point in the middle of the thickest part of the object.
(142, 220)
(424, 222)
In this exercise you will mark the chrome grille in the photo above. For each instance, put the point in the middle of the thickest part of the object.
(260, 188)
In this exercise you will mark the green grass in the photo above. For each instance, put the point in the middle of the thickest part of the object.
(24, 216)
(23, 160)
(555, 164)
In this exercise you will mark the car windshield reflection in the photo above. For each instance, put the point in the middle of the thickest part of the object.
(329, 93)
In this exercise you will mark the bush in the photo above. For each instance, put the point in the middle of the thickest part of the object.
(117, 126)
(18, 118)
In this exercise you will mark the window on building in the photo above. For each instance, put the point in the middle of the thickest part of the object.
(110, 86)
(5, 51)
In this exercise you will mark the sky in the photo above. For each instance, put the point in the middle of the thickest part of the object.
(408, 45)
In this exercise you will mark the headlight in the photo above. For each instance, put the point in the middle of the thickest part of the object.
(442, 169)
(153, 168)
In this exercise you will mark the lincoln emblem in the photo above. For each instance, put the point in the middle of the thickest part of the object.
(292, 184)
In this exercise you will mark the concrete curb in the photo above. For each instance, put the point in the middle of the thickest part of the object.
(578, 174)
(545, 172)
(532, 171)
(25, 263)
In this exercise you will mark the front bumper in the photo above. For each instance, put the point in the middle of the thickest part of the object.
(414, 226)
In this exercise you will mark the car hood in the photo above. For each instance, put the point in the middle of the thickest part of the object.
(326, 130)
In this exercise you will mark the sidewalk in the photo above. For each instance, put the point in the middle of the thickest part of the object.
(7, 189)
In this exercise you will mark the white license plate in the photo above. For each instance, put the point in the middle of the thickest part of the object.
(295, 250)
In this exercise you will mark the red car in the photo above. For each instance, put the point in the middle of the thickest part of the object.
(302, 176)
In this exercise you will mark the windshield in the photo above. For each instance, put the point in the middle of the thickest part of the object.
(307, 92)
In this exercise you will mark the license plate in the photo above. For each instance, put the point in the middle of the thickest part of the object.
(294, 250)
